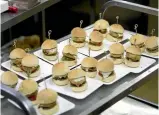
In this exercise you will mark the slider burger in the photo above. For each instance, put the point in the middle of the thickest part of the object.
(101, 26)
(106, 71)
(117, 53)
(47, 100)
(49, 49)
(9, 79)
(88, 65)
(77, 80)
(139, 41)
(95, 41)
(69, 55)
(115, 33)
(152, 46)
(16, 56)
(29, 88)
(60, 73)
(30, 65)
(133, 55)
(78, 36)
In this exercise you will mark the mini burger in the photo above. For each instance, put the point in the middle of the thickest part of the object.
(133, 55)
(29, 88)
(30, 65)
(152, 46)
(88, 65)
(115, 33)
(47, 100)
(101, 26)
(78, 36)
(16, 56)
(77, 80)
(60, 73)
(117, 53)
(96, 41)
(139, 41)
(69, 55)
(49, 49)
(9, 79)
(106, 71)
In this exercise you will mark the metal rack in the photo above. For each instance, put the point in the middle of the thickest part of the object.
(106, 96)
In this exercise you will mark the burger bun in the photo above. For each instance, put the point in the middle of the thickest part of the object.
(77, 45)
(61, 82)
(107, 79)
(50, 58)
(130, 63)
(80, 89)
(95, 48)
(16, 68)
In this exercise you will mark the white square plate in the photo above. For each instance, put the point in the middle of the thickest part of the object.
(66, 90)
(127, 44)
(45, 70)
(80, 57)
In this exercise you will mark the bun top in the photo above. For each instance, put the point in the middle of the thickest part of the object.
(117, 28)
(60, 69)
(78, 32)
(30, 60)
(17, 53)
(76, 73)
(49, 44)
(116, 48)
(96, 36)
(28, 86)
(105, 65)
(133, 50)
(47, 96)
(151, 42)
(70, 49)
(137, 39)
(9, 78)
(89, 62)
(101, 24)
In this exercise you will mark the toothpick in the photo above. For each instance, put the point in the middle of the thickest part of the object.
(89, 52)
(81, 22)
(136, 26)
(153, 30)
(117, 19)
(100, 15)
(49, 33)
(14, 43)
(44, 80)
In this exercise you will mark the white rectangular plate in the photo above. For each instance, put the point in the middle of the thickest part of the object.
(66, 90)
(144, 53)
(80, 57)
(45, 70)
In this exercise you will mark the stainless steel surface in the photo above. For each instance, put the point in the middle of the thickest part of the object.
(20, 99)
(131, 6)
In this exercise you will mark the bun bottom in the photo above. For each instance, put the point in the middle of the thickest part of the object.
(111, 38)
(77, 45)
(91, 74)
(116, 61)
(152, 54)
(51, 111)
(50, 58)
(16, 68)
(104, 35)
(35, 74)
(107, 79)
(131, 64)
(61, 82)
(80, 89)
(142, 49)
(95, 48)
(70, 63)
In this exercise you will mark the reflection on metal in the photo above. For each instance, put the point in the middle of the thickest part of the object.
(17, 97)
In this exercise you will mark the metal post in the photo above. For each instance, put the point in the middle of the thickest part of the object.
(43, 26)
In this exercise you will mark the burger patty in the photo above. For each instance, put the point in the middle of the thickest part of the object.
(60, 77)
(153, 50)
(100, 73)
(33, 96)
(16, 62)
(116, 35)
(117, 56)
(78, 85)
(103, 31)
(47, 106)
(50, 52)
(68, 57)
(95, 43)
(133, 57)
(78, 39)
(30, 69)
(139, 45)
(89, 69)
